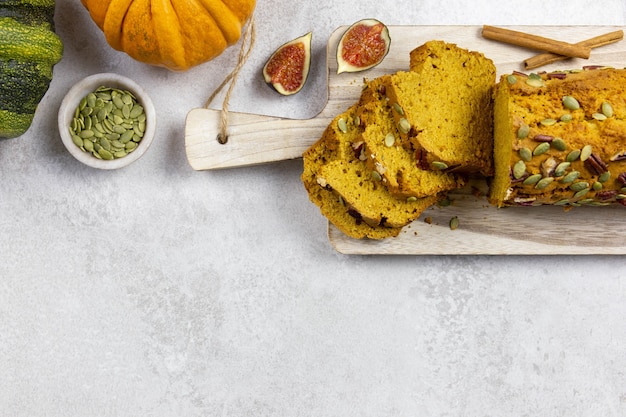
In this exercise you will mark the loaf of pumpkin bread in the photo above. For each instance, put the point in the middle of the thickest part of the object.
(560, 138)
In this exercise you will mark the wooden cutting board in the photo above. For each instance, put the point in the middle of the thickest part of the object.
(257, 139)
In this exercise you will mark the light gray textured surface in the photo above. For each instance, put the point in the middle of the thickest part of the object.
(160, 291)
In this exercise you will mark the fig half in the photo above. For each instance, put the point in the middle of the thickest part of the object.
(288, 67)
(362, 46)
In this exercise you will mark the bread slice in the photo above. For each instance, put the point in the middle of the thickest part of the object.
(353, 181)
(396, 165)
(335, 144)
(445, 107)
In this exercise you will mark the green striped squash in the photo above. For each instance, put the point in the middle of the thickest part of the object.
(29, 49)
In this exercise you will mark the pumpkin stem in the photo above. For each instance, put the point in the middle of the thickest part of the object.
(248, 38)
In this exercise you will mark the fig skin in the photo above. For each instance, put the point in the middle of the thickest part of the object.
(359, 35)
(287, 69)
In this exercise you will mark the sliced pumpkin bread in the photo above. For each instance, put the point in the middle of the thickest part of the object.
(395, 164)
(330, 147)
(445, 107)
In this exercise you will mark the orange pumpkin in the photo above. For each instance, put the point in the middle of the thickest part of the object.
(176, 34)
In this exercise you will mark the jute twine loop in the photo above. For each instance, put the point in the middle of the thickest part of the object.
(247, 42)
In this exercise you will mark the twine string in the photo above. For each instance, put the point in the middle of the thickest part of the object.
(247, 43)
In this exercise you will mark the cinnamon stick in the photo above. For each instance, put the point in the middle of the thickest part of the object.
(527, 40)
(549, 57)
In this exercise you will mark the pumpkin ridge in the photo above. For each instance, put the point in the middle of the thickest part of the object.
(113, 20)
(199, 25)
(168, 27)
(138, 33)
(228, 23)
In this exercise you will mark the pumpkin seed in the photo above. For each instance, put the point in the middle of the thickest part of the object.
(390, 139)
(585, 152)
(534, 80)
(78, 141)
(532, 180)
(597, 186)
(376, 176)
(138, 110)
(607, 109)
(519, 169)
(566, 118)
(398, 109)
(404, 126)
(103, 95)
(342, 125)
(541, 148)
(599, 116)
(88, 145)
(91, 100)
(126, 136)
(118, 102)
(548, 122)
(105, 154)
(560, 168)
(563, 202)
(526, 154)
(573, 155)
(604, 177)
(544, 182)
(117, 144)
(86, 134)
(126, 111)
(104, 142)
(581, 193)
(511, 79)
(439, 165)
(454, 223)
(578, 186)
(559, 144)
(137, 130)
(523, 131)
(571, 177)
(570, 103)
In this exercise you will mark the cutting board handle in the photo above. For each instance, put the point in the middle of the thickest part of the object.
(252, 139)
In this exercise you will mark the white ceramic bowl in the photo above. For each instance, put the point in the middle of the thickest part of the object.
(84, 87)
